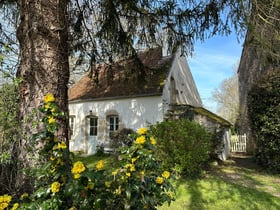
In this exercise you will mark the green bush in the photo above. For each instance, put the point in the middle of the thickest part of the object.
(123, 137)
(8, 135)
(183, 145)
(264, 116)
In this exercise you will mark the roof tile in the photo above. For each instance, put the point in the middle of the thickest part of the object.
(128, 77)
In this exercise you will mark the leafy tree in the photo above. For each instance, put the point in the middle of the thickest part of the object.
(227, 98)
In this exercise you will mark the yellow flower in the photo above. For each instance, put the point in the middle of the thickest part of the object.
(51, 120)
(5, 198)
(49, 98)
(62, 145)
(114, 173)
(73, 208)
(128, 174)
(78, 167)
(153, 141)
(107, 184)
(159, 180)
(15, 206)
(47, 106)
(132, 168)
(165, 174)
(3, 205)
(127, 165)
(100, 165)
(4, 201)
(142, 131)
(140, 140)
(142, 173)
(55, 187)
(77, 176)
(133, 160)
(53, 110)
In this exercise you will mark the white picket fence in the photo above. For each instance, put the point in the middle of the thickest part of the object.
(238, 143)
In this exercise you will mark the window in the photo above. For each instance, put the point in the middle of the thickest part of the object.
(71, 124)
(113, 123)
(93, 123)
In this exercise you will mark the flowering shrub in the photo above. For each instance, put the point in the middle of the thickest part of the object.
(139, 183)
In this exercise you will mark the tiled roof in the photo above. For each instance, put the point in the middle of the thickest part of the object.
(125, 78)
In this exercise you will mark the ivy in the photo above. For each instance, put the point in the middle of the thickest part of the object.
(264, 112)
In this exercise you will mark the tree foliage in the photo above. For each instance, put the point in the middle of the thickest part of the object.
(227, 98)
(104, 30)
(264, 26)
(8, 135)
(264, 112)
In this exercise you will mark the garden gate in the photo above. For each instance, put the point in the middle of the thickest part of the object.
(238, 143)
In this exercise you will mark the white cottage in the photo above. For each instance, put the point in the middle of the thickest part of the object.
(131, 93)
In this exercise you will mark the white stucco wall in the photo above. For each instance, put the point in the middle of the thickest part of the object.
(133, 113)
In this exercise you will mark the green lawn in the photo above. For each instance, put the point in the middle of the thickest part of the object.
(90, 161)
(225, 187)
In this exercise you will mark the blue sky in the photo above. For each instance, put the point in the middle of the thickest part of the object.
(213, 61)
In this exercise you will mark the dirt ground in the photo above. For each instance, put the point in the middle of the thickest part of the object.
(243, 161)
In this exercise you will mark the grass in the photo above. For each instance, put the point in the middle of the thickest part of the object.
(224, 187)
(213, 193)
(90, 161)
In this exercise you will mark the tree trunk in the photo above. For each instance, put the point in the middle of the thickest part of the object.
(43, 68)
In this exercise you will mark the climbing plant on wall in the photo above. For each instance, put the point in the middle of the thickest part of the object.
(264, 112)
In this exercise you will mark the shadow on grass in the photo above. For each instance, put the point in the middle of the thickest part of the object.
(212, 193)
(246, 174)
(239, 185)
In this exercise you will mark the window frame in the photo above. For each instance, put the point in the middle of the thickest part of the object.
(92, 125)
(72, 125)
(113, 125)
